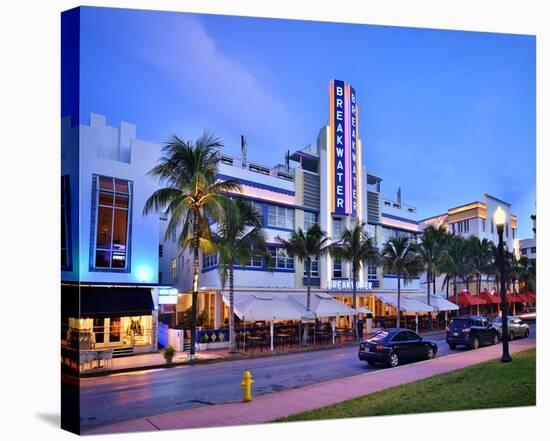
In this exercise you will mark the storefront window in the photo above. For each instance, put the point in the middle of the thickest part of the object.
(114, 329)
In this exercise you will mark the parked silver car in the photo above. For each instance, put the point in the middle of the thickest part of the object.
(516, 327)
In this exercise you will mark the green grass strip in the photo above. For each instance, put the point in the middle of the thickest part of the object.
(486, 385)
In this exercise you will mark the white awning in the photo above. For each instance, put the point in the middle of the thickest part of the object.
(408, 303)
(323, 305)
(267, 307)
(363, 310)
(442, 304)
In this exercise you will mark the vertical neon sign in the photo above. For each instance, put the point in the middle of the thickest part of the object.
(339, 147)
(344, 156)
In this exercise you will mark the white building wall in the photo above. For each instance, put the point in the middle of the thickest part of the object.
(117, 152)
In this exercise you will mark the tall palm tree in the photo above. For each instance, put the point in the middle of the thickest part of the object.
(191, 195)
(432, 250)
(456, 259)
(479, 252)
(307, 247)
(527, 273)
(400, 256)
(237, 239)
(357, 248)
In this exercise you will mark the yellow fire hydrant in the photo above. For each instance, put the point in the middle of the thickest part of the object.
(246, 384)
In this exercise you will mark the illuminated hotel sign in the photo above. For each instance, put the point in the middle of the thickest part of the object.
(344, 152)
(347, 285)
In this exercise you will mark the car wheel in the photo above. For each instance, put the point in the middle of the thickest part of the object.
(527, 333)
(511, 336)
(452, 345)
(475, 343)
(393, 360)
(430, 353)
(495, 339)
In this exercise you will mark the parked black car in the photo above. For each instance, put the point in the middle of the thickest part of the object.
(396, 345)
(471, 331)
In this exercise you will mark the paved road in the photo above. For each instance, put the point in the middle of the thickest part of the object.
(116, 398)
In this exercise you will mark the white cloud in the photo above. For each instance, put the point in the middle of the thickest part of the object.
(221, 87)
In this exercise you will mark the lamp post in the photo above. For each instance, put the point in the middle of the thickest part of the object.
(500, 219)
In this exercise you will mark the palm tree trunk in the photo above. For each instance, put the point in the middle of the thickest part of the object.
(308, 301)
(195, 291)
(398, 300)
(232, 345)
(355, 328)
(429, 276)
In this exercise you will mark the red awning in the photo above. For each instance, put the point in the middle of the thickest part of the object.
(490, 298)
(466, 299)
(516, 298)
(531, 296)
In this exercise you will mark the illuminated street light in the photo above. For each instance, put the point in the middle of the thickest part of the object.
(500, 219)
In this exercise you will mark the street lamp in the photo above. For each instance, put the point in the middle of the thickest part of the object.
(500, 220)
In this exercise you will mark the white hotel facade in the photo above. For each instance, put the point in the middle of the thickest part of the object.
(326, 184)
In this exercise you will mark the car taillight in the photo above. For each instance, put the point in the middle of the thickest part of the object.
(379, 348)
(466, 330)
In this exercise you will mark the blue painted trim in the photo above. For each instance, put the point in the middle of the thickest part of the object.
(390, 276)
(257, 184)
(314, 281)
(392, 216)
(269, 227)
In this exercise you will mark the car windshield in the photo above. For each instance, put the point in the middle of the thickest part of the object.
(379, 336)
(458, 323)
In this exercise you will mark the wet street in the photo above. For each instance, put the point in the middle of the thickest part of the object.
(119, 397)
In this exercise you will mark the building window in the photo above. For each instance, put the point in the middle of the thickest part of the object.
(281, 217)
(314, 268)
(506, 230)
(336, 229)
(310, 219)
(371, 232)
(65, 224)
(492, 226)
(160, 277)
(209, 260)
(513, 233)
(454, 231)
(280, 259)
(533, 250)
(160, 250)
(483, 225)
(258, 208)
(174, 268)
(337, 268)
(524, 251)
(371, 271)
(174, 235)
(253, 262)
(112, 208)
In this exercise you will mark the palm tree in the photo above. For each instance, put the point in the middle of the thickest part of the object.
(357, 248)
(307, 247)
(192, 194)
(455, 261)
(400, 256)
(527, 273)
(479, 252)
(433, 253)
(238, 239)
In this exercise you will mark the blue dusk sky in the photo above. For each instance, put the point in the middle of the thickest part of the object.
(446, 115)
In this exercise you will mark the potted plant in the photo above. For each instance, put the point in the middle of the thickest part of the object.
(168, 353)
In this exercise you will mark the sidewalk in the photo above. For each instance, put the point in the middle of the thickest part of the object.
(271, 406)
